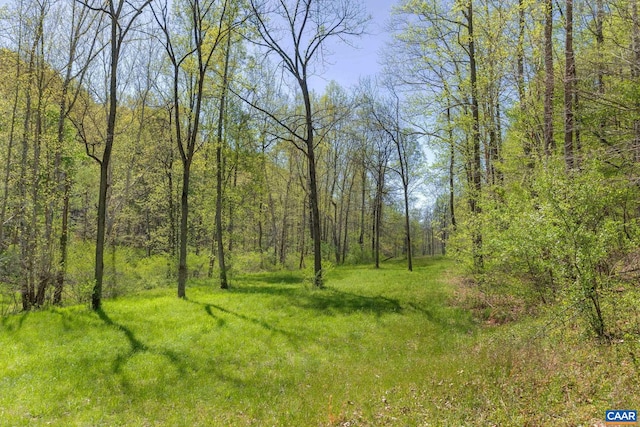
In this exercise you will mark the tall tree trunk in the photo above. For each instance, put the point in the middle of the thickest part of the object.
(527, 142)
(221, 111)
(549, 143)
(520, 53)
(635, 73)
(303, 226)
(42, 271)
(377, 216)
(569, 89)
(452, 156)
(476, 166)
(26, 231)
(345, 233)
(313, 186)
(407, 228)
(10, 142)
(63, 183)
(599, 21)
(363, 179)
(64, 240)
(183, 230)
(96, 297)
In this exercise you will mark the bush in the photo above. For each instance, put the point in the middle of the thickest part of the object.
(9, 275)
(560, 233)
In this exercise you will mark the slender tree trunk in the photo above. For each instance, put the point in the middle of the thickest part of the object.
(96, 297)
(26, 250)
(63, 182)
(64, 238)
(363, 179)
(303, 226)
(171, 241)
(221, 111)
(41, 271)
(407, 227)
(549, 143)
(569, 89)
(520, 53)
(527, 142)
(313, 187)
(184, 218)
(345, 233)
(476, 167)
(12, 126)
(377, 216)
(635, 73)
(452, 154)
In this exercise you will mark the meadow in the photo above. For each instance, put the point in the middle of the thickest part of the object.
(374, 348)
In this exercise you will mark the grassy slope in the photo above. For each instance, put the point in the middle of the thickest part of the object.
(375, 348)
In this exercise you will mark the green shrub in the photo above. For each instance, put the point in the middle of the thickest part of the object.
(560, 233)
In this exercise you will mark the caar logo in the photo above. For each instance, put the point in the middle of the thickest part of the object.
(621, 417)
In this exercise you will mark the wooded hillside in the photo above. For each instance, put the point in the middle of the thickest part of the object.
(145, 143)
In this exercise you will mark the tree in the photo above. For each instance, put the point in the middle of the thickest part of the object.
(386, 116)
(191, 59)
(122, 16)
(570, 92)
(297, 31)
(78, 56)
(549, 143)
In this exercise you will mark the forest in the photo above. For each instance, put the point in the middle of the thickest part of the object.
(174, 162)
(181, 140)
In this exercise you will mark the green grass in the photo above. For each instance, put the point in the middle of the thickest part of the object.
(383, 348)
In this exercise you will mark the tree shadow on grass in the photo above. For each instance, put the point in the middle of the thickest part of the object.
(137, 346)
(446, 320)
(209, 309)
(14, 322)
(282, 278)
(177, 360)
(330, 301)
(325, 301)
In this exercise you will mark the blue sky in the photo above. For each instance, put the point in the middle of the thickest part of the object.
(347, 63)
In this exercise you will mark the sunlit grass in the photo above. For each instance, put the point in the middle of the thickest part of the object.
(379, 347)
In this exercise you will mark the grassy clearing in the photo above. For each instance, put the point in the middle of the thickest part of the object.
(385, 348)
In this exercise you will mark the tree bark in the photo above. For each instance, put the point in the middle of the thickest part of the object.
(569, 89)
(221, 261)
(452, 154)
(549, 143)
(184, 218)
(313, 185)
(115, 43)
(635, 73)
(476, 166)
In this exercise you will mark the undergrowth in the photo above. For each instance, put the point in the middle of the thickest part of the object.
(375, 348)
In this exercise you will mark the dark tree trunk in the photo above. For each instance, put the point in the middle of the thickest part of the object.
(635, 73)
(549, 143)
(313, 185)
(476, 166)
(183, 230)
(96, 297)
(363, 180)
(452, 154)
(569, 89)
(221, 261)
